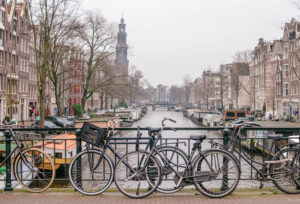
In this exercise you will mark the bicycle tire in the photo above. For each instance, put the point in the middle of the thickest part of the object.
(132, 169)
(168, 185)
(215, 185)
(41, 169)
(88, 174)
(286, 177)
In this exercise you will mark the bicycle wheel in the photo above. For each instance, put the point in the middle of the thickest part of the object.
(136, 177)
(285, 170)
(34, 170)
(216, 173)
(171, 157)
(91, 172)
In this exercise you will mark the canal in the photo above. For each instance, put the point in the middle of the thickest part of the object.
(153, 119)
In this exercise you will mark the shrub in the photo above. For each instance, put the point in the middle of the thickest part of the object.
(123, 104)
(78, 110)
(287, 118)
(93, 115)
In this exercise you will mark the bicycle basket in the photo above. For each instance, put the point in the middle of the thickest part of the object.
(93, 134)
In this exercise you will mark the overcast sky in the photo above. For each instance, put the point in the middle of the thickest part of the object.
(171, 38)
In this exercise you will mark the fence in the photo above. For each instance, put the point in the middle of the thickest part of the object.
(128, 144)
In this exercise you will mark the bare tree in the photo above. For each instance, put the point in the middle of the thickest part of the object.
(176, 95)
(240, 67)
(187, 80)
(44, 17)
(135, 80)
(62, 35)
(97, 38)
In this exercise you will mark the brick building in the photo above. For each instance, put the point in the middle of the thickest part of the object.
(16, 61)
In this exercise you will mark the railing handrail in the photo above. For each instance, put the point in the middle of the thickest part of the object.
(166, 128)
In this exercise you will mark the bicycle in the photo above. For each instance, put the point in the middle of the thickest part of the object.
(282, 169)
(91, 171)
(138, 173)
(32, 167)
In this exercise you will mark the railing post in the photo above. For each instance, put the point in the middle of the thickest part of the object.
(78, 164)
(8, 186)
(225, 174)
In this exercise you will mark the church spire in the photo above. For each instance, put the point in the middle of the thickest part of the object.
(121, 48)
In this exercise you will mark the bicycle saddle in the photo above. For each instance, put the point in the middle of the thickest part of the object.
(153, 130)
(198, 137)
(275, 137)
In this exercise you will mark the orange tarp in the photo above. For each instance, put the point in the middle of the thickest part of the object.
(60, 142)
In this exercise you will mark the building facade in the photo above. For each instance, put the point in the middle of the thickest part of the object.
(18, 77)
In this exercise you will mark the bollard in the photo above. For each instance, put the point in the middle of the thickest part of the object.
(78, 150)
(225, 175)
(8, 186)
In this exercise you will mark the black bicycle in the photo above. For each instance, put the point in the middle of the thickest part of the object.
(33, 168)
(91, 172)
(214, 172)
(281, 167)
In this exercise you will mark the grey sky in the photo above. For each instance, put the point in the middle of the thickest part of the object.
(172, 38)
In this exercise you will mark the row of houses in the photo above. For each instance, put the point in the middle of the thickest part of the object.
(269, 82)
(274, 73)
(18, 74)
(227, 88)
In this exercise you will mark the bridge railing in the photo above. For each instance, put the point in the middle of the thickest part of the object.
(63, 156)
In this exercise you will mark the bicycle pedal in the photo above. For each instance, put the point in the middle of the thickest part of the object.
(261, 185)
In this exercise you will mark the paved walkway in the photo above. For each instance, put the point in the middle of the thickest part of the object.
(256, 197)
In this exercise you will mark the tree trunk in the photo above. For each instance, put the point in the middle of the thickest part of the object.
(106, 101)
(83, 102)
(42, 107)
(57, 99)
(237, 102)
(101, 100)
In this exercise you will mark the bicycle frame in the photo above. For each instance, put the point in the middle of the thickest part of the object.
(19, 147)
(242, 154)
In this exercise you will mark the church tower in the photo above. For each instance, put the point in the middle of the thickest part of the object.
(121, 49)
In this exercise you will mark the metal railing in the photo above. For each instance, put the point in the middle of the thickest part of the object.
(128, 144)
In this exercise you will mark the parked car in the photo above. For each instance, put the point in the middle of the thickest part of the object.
(61, 121)
(47, 124)
(86, 116)
(235, 122)
(100, 112)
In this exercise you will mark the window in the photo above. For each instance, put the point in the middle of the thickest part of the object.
(278, 90)
(58, 155)
(286, 89)
(285, 53)
(1, 82)
(1, 37)
(230, 114)
(286, 71)
(241, 115)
